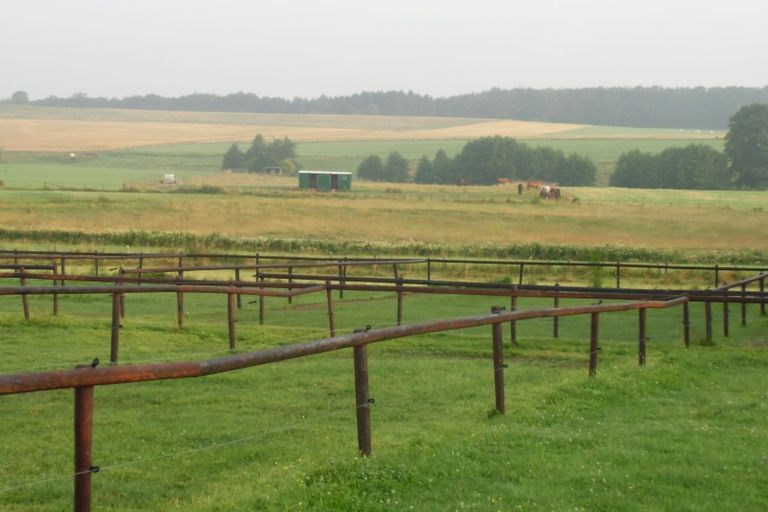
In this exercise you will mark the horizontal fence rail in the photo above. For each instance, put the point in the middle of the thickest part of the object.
(24, 383)
(291, 284)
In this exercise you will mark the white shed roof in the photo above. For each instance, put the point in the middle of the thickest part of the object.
(325, 172)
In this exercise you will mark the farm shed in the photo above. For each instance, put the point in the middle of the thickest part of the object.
(325, 180)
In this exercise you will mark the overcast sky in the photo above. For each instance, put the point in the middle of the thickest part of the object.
(308, 48)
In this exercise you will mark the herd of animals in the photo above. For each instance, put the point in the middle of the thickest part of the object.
(546, 191)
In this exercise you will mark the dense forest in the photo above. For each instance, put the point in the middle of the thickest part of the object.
(693, 107)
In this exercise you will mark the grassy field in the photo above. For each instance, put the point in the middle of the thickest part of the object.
(271, 207)
(684, 433)
(114, 146)
(109, 170)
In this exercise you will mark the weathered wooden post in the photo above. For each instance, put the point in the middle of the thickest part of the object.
(83, 447)
(180, 300)
(96, 262)
(341, 281)
(618, 274)
(237, 279)
(725, 318)
(121, 274)
(762, 295)
(556, 319)
(399, 301)
(708, 319)
(744, 306)
(498, 362)
(55, 295)
(362, 400)
(261, 301)
(231, 319)
(717, 275)
(593, 346)
(329, 299)
(24, 297)
(686, 325)
(429, 269)
(63, 268)
(115, 343)
(641, 336)
(513, 323)
(520, 277)
(290, 282)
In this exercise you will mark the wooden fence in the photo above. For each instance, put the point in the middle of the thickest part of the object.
(83, 379)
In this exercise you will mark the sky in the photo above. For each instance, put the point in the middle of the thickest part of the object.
(302, 48)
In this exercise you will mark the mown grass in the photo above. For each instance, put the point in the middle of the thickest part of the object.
(685, 433)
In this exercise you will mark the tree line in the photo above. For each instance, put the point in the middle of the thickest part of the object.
(660, 107)
(743, 164)
(260, 155)
(482, 162)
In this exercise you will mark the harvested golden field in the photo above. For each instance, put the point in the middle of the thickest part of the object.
(43, 129)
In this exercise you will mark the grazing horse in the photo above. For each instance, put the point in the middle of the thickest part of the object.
(554, 193)
(534, 184)
(544, 192)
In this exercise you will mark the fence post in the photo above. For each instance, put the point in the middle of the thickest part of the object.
(642, 336)
(115, 343)
(180, 300)
(362, 400)
(24, 297)
(618, 274)
(717, 275)
(429, 269)
(520, 278)
(237, 279)
(341, 281)
(96, 262)
(708, 319)
(686, 325)
(513, 323)
(329, 298)
(290, 282)
(744, 306)
(83, 447)
(55, 295)
(261, 301)
(593, 347)
(556, 319)
(121, 274)
(725, 318)
(498, 362)
(399, 301)
(762, 295)
(231, 319)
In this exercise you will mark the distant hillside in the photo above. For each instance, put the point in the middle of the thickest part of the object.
(658, 107)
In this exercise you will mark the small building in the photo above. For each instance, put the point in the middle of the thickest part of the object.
(325, 180)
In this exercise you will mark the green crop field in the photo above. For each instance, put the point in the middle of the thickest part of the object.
(685, 432)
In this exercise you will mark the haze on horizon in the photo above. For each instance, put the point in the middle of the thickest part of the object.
(338, 47)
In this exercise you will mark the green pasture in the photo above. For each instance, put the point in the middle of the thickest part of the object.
(686, 432)
(110, 170)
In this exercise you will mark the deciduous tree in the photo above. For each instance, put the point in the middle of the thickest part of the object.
(747, 145)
